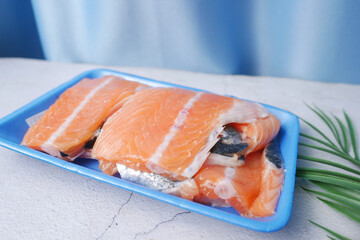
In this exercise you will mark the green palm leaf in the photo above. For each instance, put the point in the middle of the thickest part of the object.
(344, 209)
(330, 173)
(335, 234)
(344, 134)
(318, 131)
(342, 190)
(328, 122)
(352, 135)
(345, 192)
(339, 181)
(348, 202)
(342, 155)
(330, 163)
(321, 142)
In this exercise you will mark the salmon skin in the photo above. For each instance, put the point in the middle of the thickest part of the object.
(185, 189)
(252, 189)
(170, 131)
(71, 122)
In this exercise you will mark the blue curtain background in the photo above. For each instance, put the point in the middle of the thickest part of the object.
(309, 39)
(18, 32)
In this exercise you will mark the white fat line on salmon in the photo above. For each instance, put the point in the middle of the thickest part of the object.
(179, 121)
(67, 122)
(201, 156)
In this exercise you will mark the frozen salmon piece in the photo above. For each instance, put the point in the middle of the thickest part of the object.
(258, 134)
(271, 183)
(237, 140)
(186, 189)
(252, 189)
(77, 114)
(170, 131)
(107, 167)
(238, 186)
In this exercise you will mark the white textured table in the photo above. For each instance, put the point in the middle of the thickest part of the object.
(41, 201)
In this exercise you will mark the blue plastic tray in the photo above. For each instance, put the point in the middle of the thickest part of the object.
(13, 127)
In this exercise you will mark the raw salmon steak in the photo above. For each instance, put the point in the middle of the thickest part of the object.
(172, 131)
(252, 189)
(77, 114)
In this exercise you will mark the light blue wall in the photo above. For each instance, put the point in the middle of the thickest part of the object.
(310, 39)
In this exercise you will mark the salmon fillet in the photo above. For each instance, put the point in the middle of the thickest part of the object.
(170, 131)
(73, 119)
(186, 189)
(252, 189)
(182, 142)
(237, 186)
(271, 182)
(258, 134)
